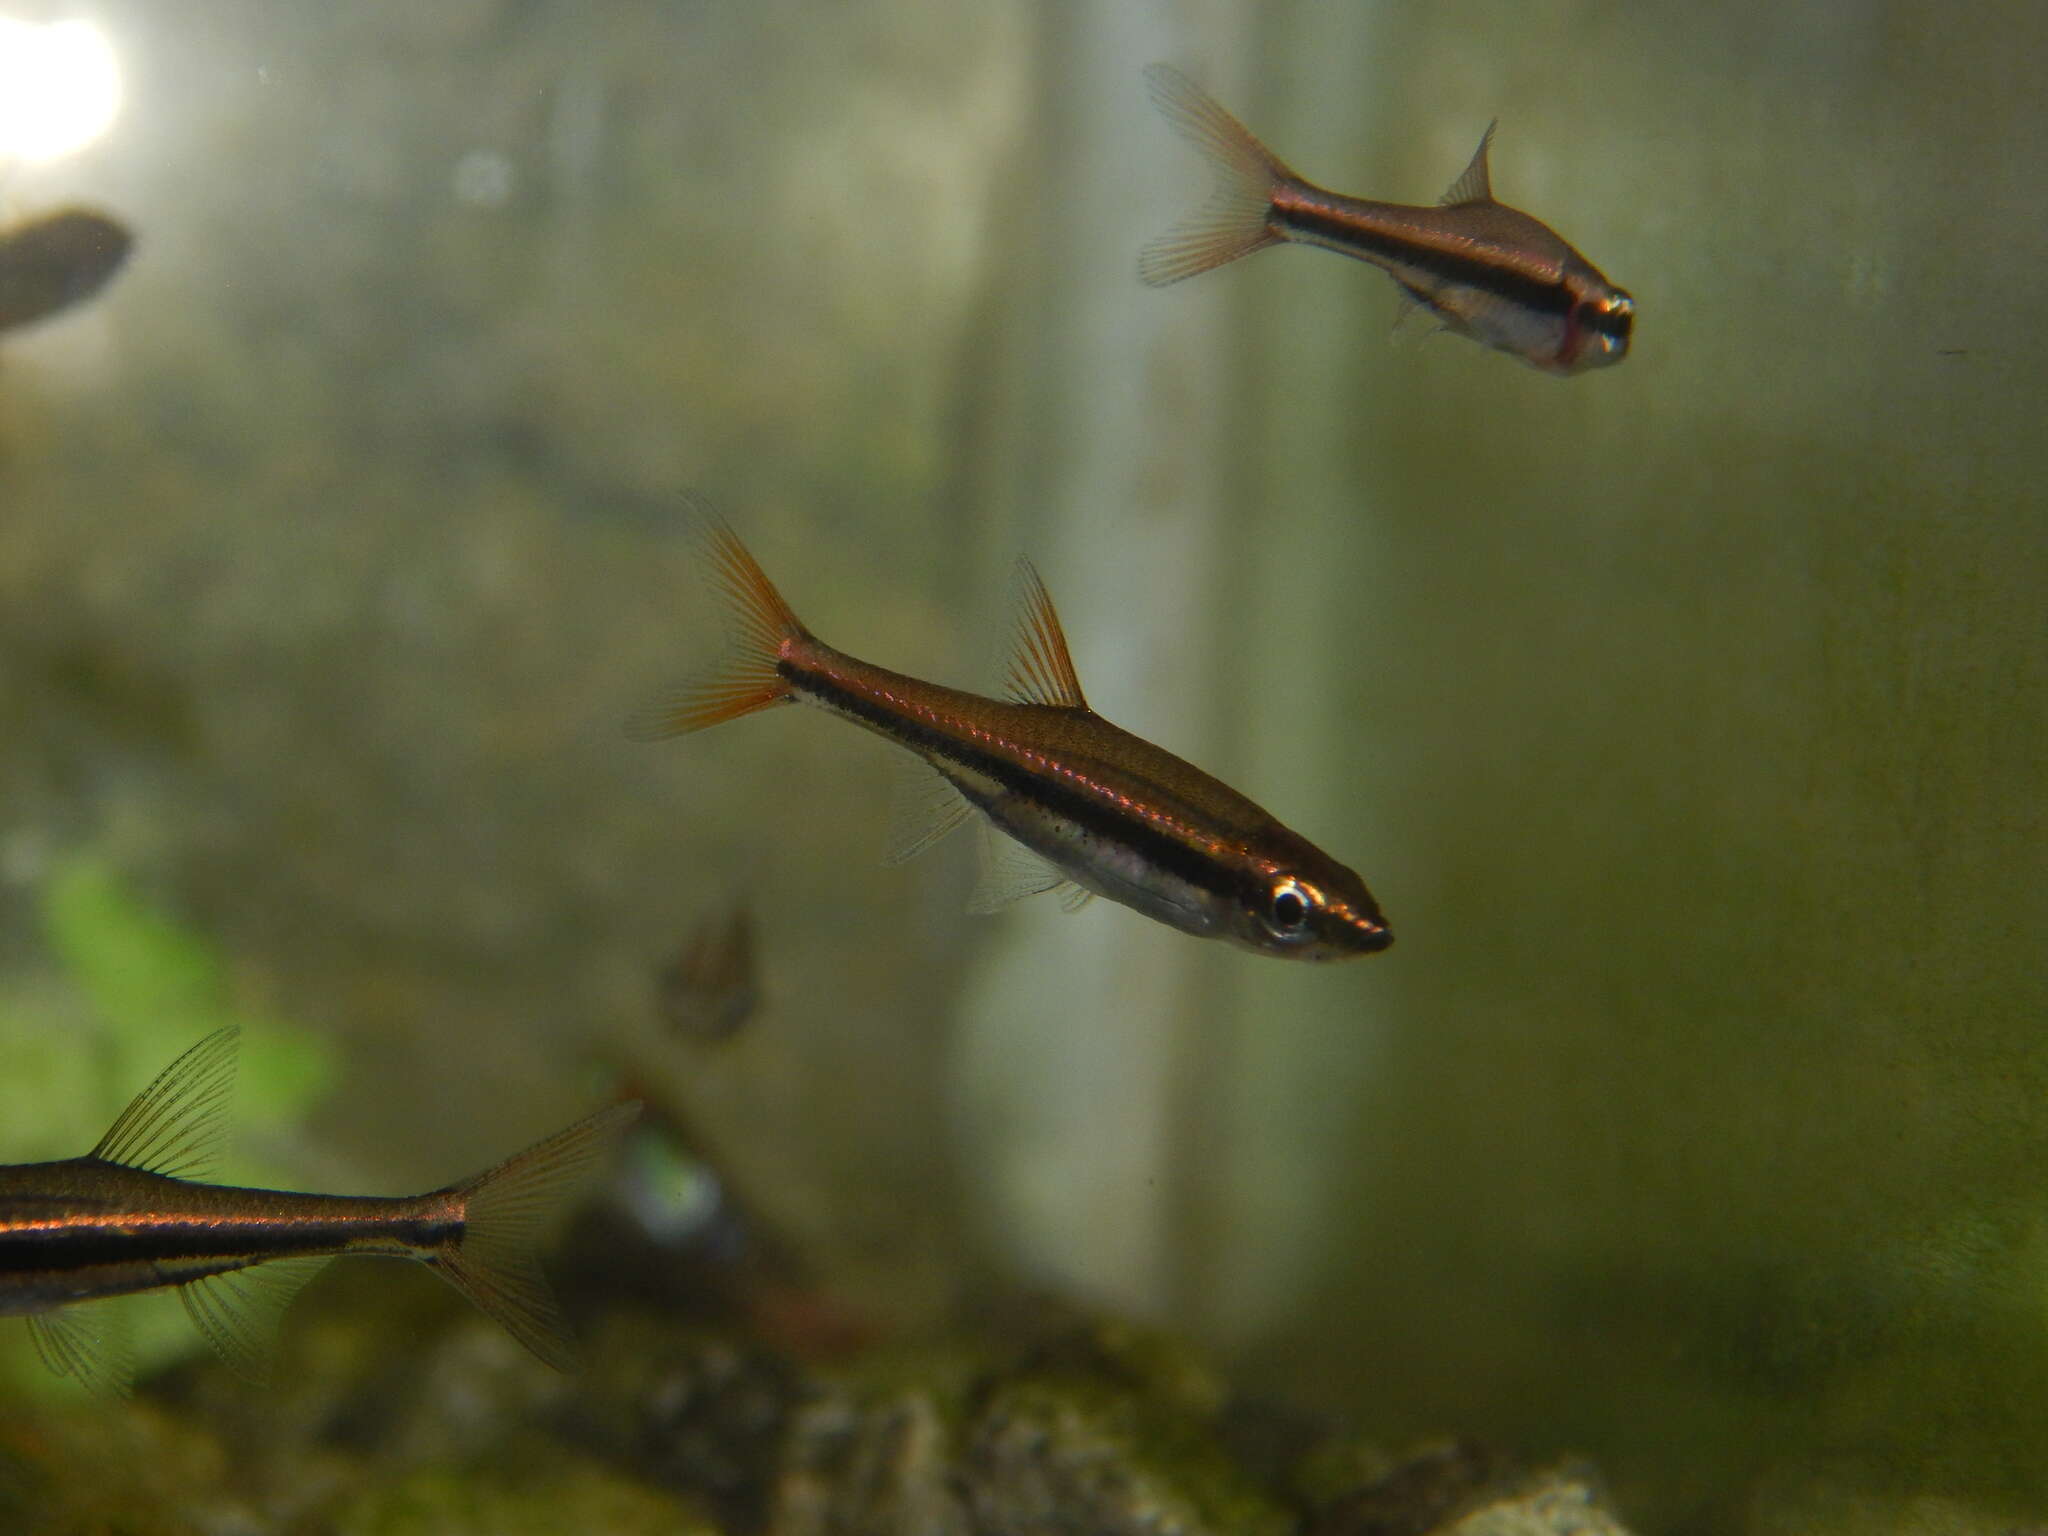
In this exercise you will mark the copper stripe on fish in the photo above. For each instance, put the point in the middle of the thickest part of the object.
(130, 1216)
(1090, 809)
(1483, 269)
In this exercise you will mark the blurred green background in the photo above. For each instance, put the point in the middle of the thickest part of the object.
(1688, 718)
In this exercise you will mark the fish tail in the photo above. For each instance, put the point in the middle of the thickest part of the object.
(505, 1210)
(746, 679)
(1238, 217)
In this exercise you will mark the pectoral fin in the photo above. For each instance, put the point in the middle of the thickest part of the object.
(1010, 872)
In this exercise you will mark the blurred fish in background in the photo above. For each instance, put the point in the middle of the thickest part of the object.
(681, 1228)
(1485, 270)
(51, 263)
(711, 988)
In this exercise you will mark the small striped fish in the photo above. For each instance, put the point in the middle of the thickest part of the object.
(1093, 809)
(1483, 269)
(129, 1216)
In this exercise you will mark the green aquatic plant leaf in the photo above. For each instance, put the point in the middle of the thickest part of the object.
(142, 972)
(135, 988)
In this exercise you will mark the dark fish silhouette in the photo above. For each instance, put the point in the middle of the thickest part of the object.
(711, 987)
(50, 263)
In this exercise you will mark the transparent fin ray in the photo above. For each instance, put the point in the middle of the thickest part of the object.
(240, 1311)
(1010, 872)
(506, 1212)
(745, 678)
(1408, 304)
(1237, 219)
(923, 808)
(1041, 671)
(1475, 182)
(89, 1341)
(177, 1126)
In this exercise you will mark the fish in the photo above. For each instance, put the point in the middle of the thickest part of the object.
(1084, 808)
(709, 990)
(1483, 269)
(50, 263)
(131, 1215)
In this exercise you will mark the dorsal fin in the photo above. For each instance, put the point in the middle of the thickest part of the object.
(1041, 671)
(1474, 185)
(177, 1126)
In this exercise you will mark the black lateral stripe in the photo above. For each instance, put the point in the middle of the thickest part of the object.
(1164, 851)
(1452, 267)
(91, 1247)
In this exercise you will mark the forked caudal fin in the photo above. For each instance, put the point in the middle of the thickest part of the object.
(1238, 217)
(746, 678)
(505, 1213)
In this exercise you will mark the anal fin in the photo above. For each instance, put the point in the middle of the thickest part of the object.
(924, 805)
(239, 1311)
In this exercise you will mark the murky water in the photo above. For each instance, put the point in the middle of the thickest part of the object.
(1687, 717)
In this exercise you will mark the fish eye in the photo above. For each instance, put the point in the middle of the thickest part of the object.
(1287, 908)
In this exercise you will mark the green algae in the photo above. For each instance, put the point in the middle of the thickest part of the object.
(1065, 1448)
(154, 986)
(536, 1495)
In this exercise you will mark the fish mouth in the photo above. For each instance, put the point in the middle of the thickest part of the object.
(1362, 936)
(1371, 938)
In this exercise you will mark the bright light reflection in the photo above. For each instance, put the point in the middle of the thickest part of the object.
(59, 88)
